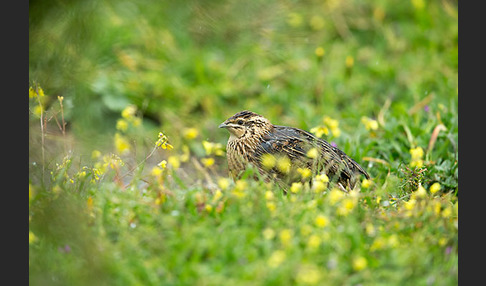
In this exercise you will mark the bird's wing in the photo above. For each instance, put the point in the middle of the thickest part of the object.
(296, 143)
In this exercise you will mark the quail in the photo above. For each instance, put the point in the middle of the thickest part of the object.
(253, 138)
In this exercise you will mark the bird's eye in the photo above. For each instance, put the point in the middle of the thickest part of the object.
(240, 122)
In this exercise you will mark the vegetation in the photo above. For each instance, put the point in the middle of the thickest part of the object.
(128, 181)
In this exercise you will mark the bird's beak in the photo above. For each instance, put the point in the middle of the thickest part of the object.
(223, 125)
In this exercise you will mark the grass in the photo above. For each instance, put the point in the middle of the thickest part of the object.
(111, 202)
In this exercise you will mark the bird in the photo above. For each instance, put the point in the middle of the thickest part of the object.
(279, 152)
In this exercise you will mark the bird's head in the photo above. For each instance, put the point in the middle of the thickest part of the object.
(246, 124)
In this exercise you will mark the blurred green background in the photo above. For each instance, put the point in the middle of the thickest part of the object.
(195, 63)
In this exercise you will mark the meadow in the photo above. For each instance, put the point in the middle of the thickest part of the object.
(128, 181)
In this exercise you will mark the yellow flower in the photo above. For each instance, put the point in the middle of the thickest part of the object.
(41, 91)
(283, 164)
(190, 133)
(410, 205)
(313, 153)
(370, 124)
(162, 164)
(156, 171)
(359, 263)
(319, 51)
(32, 92)
(346, 206)
(335, 196)
(213, 148)
(174, 162)
(321, 221)
(319, 131)
(271, 206)
(95, 154)
(314, 241)
(317, 22)
(285, 236)
(304, 172)
(269, 195)
(122, 125)
(38, 110)
(163, 142)
(208, 208)
(417, 153)
(32, 237)
(207, 162)
(268, 233)
(277, 257)
(295, 187)
(349, 62)
(318, 186)
(308, 275)
(223, 183)
(122, 145)
(420, 192)
(129, 111)
(418, 4)
(366, 183)
(435, 188)
(294, 19)
(268, 161)
(217, 195)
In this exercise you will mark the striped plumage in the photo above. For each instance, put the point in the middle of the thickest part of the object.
(252, 136)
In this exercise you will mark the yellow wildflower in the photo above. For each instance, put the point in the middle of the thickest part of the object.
(174, 162)
(122, 145)
(163, 142)
(285, 236)
(295, 187)
(313, 153)
(268, 233)
(283, 164)
(319, 51)
(418, 4)
(417, 155)
(314, 241)
(95, 154)
(32, 237)
(269, 195)
(308, 275)
(321, 220)
(190, 133)
(317, 22)
(349, 62)
(319, 131)
(223, 183)
(276, 258)
(122, 125)
(435, 188)
(370, 124)
(359, 263)
(335, 196)
(420, 192)
(318, 186)
(366, 183)
(156, 171)
(208, 208)
(40, 91)
(162, 164)
(207, 162)
(268, 161)
(304, 172)
(346, 206)
(213, 148)
(294, 19)
(271, 206)
(129, 111)
(217, 195)
(32, 92)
